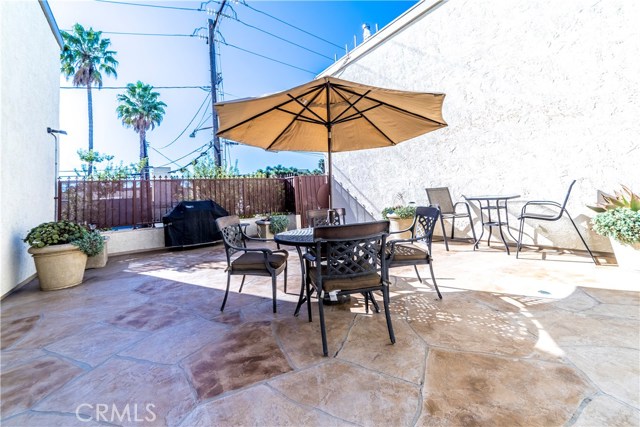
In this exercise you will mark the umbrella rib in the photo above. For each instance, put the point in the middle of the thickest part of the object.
(301, 117)
(275, 107)
(393, 107)
(357, 114)
(391, 141)
(351, 104)
(295, 118)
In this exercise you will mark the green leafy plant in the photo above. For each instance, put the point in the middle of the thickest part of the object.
(278, 223)
(91, 243)
(618, 216)
(54, 233)
(402, 212)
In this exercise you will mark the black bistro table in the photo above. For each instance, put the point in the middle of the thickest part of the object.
(300, 238)
(495, 204)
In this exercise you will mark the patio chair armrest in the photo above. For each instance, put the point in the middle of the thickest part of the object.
(308, 256)
(539, 203)
(258, 239)
(281, 251)
(410, 229)
(455, 205)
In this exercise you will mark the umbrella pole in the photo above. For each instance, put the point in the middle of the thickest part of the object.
(330, 175)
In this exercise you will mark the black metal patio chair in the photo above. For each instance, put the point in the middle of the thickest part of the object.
(441, 197)
(416, 250)
(353, 262)
(554, 216)
(319, 217)
(251, 261)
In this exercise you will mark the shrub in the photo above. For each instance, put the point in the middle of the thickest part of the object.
(622, 224)
(402, 211)
(618, 216)
(54, 233)
(278, 223)
(91, 243)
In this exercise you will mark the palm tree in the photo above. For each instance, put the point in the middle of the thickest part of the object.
(85, 56)
(140, 109)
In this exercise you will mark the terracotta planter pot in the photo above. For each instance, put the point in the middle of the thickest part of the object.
(627, 255)
(59, 266)
(396, 224)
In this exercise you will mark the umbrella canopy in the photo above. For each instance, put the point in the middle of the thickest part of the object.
(330, 115)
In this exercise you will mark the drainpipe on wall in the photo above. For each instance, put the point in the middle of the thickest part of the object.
(53, 133)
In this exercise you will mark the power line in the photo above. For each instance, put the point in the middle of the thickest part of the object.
(278, 37)
(150, 5)
(268, 58)
(186, 155)
(203, 87)
(244, 3)
(189, 124)
(172, 162)
(142, 34)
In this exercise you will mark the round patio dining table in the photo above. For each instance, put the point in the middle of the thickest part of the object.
(299, 238)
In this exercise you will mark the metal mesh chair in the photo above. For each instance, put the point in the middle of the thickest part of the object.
(538, 216)
(441, 197)
(320, 217)
(416, 250)
(252, 261)
(354, 263)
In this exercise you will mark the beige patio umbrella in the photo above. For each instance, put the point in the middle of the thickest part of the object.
(330, 115)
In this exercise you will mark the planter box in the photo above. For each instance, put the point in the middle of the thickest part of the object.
(396, 224)
(627, 256)
(100, 260)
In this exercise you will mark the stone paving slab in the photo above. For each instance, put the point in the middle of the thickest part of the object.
(513, 342)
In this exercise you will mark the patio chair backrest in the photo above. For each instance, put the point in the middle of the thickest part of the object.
(352, 250)
(441, 197)
(320, 217)
(425, 222)
(231, 233)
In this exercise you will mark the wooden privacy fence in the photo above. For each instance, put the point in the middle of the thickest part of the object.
(139, 202)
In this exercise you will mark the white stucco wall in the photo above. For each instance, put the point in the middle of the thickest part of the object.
(537, 94)
(29, 94)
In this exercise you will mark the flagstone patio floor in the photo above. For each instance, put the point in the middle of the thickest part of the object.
(549, 339)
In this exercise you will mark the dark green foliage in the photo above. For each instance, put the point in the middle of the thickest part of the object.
(90, 243)
(54, 233)
(402, 211)
(278, 223)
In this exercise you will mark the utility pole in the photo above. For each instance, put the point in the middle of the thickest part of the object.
(214, 83)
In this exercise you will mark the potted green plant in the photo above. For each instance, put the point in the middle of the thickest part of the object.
(400, 218)
(272, 225)
(59, 263)
(618, 218)
(95, 246)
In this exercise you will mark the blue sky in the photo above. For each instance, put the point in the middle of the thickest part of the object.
(184, 61)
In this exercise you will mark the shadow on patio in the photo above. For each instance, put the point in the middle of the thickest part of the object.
(143, 342)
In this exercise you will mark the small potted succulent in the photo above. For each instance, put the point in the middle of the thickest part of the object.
(618, 218)
(59, 262)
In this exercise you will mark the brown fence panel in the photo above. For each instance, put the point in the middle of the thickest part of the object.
(306, 194)
(139, 203)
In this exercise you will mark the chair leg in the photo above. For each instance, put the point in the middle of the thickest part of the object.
(226, 294)
(473, 230)
(433, 277)
(273, 291)
(374, 303)
(417, 272)
(242, 284)
(453, 227)
(285, 277)
(444, 233)
(325, 350)
(582, 238)
(520, 232)
(385, 299)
